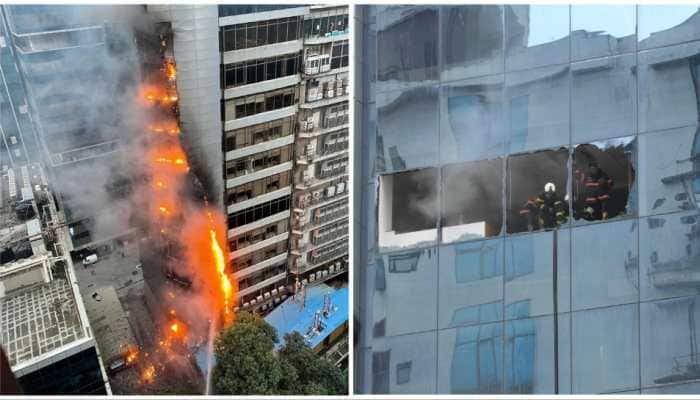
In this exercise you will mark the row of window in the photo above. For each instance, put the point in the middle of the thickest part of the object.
(265, 69)
(258, 187)
(255, 104)
(260, 133)
(255, 279)
(258, 161)
(467, 198)
(258, 212)
(259, 256)
(327, 25)
(257, 235)
(260, 33)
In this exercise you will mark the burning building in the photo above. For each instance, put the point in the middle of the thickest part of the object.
(265, 122)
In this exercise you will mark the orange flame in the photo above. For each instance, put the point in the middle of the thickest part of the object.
(220, 264)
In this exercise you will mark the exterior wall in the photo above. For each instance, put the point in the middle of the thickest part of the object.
(456, 86)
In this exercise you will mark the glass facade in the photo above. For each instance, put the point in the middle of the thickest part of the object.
(527, 186)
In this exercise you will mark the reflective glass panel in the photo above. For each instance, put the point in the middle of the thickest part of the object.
(537, 104)
(602, 30)
(405, 292)
(529, 356)
(471, 283)
(392, 353)
(663, 25)
(408, 128)
(472, 41)
(605, 349)
(471, 124)
(470, 360)
(604, 98)
(604, 264)
(536, 35)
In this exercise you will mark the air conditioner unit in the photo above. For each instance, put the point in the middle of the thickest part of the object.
(259, 298)
(310, 149)
(246, 304)
(325, 273)
(304, 282)
(330, 191)
(266, 295)
(341, 187)
(312, 278)
(332, 269)
(253, 302)
(282, 289)
(274, 292)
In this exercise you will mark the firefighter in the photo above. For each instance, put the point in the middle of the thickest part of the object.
(546, 211)
(597, 186)
(531, 212)
(553, 209)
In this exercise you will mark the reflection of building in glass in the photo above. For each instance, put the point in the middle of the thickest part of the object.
(593, 106)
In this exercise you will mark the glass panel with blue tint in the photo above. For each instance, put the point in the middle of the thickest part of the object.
(669, 341)
(391, 352)
(529, 289)
(472, 195)
(537, 191)
(682, 388)
(664, 25)
(471, 125)
(670, 255)
(604, 98)
(529, 356)
(407, 123)
(407, 46)
(407, 299)
(470, 360)
(668, 87)
(472, 41)
(471, 283)
(667, 171)
(536, 35)
(537, 104)
(605, 266)
(602, 30)
(605, 349)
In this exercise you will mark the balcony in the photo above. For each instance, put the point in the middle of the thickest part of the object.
(262, 265)
(251, 247)
(326, 101)
(314, 261)
(260, 285)
(318, 198)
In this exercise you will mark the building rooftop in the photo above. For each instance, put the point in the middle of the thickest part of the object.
(291, 316)
(37, 319)
(109, 324)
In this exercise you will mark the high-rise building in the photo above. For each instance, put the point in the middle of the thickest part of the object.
(44, 328)
(263, 110)
(527, 189)
(65, 68)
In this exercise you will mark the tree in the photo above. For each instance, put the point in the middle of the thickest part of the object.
(246, 363)
(245, 359)
(315, 375)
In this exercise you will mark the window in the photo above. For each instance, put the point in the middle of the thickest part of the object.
(477, 262)
(477, 365)
(261, 33)
(258, 212)
(533, 203)
(255, 104)
(603, 177)
(403, 263)
(403, 373)
(339, 55)
(408, 204)
(471, 200)
(380, 371)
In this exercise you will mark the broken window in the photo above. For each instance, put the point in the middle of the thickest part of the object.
(472, 200)
(603, 178)
(408, 208)
(537, 191)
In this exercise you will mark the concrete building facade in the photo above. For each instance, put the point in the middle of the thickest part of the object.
(245, 77)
